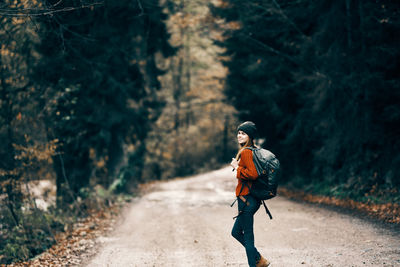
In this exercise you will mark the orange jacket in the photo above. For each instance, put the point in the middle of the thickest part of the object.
(245, 171)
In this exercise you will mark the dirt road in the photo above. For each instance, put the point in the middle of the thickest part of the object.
(187, 222)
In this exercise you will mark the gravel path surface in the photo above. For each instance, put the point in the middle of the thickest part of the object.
(187, 222)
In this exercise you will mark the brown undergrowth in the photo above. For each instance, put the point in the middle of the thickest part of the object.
(387, 212)
(77, 243)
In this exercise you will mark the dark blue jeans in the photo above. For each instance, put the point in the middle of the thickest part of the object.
(243, 228)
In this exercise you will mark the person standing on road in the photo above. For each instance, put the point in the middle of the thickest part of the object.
(247, 205)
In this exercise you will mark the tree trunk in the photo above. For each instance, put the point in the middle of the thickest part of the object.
(348, 24)
(362, 35)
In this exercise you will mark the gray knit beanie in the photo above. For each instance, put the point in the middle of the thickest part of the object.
(249, 128)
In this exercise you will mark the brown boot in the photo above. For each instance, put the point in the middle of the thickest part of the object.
(263, 262)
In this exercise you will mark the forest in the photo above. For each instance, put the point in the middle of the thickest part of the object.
(97, 97)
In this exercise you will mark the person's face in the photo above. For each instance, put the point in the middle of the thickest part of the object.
(242, 137)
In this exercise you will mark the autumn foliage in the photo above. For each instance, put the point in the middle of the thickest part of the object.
(387, 212)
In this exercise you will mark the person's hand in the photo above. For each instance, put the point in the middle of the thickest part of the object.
(234, 163)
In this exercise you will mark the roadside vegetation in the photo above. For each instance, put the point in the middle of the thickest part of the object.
(96, 98)
(321, 81)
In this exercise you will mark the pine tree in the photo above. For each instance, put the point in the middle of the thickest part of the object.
(98, 75)
(320, 80)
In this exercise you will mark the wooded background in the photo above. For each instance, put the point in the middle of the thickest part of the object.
(99, 96)
(321, 81)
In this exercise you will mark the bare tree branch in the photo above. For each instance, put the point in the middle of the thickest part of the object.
(24, 12)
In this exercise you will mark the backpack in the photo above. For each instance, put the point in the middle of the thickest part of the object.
(267, 166)
(266, 184)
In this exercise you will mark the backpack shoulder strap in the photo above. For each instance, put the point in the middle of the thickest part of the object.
(267, 210)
